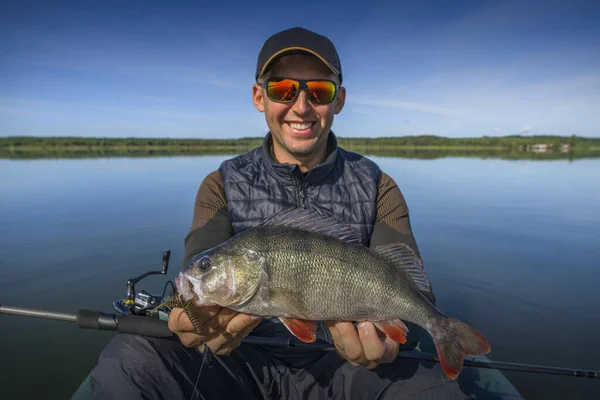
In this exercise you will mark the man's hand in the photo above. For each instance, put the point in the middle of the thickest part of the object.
(224, 328)
(362, 346)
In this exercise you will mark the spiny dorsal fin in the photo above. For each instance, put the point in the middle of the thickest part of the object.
(405, 258)
(311, 220)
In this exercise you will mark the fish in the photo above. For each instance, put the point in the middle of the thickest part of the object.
(304, 267)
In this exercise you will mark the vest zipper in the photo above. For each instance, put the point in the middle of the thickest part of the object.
(302, 196)
(301, 190)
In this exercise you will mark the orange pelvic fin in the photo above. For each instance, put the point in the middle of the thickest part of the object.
(394, 328)
(303, 329)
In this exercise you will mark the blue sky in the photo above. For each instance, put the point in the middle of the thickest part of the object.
(175, 69)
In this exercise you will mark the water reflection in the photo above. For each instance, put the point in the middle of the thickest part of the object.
(416, 153)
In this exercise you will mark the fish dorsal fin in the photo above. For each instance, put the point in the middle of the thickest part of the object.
(405, 258)
(312, 221)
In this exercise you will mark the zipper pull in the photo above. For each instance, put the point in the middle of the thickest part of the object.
(302, 199)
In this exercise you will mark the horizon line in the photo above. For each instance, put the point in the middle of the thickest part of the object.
(262, 137)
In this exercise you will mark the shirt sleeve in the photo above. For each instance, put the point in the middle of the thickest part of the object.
(210, 223)
(393, 221)
(391, 226)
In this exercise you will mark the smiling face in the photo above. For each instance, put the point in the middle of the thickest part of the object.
(299, 128)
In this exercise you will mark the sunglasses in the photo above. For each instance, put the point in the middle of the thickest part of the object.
(285, 90)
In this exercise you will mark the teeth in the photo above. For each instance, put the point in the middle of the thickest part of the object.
(301, 126)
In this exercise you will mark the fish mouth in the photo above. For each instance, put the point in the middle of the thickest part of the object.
(194, 296)
(191, 287)
(185, 287)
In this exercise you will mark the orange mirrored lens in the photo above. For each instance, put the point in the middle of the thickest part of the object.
(284, 90)
(319, 92)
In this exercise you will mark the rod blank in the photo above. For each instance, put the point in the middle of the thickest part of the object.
(418, 355)
(30, 312)
(507, 366)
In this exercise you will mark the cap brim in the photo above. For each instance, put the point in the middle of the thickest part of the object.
(290, 49)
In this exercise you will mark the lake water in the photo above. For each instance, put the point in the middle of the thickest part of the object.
(511, 247)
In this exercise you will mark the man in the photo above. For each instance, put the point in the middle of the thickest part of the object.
(299, 90)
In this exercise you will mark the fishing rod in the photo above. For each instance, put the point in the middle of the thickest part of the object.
(137, 314)
(87, 319)
(421, 356)
(154, 327)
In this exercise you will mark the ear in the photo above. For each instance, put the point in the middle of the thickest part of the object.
(340, 99)
(258, 98)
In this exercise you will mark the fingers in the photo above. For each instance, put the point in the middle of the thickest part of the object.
(391, 350)
(179, 321)
(373, 347)
(350, 344)
(180, 324)
(229, 338)
(211, 327)
(362, 345)
(222, 329)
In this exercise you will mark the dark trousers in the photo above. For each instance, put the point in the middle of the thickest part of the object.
(135, 367)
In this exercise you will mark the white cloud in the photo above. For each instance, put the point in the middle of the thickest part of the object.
(526, 129)
(406, 105)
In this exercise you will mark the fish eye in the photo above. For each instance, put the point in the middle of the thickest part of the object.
(204, 263)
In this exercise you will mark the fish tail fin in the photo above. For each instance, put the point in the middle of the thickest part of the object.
(454, 340)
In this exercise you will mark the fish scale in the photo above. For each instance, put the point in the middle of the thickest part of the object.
(310, 265)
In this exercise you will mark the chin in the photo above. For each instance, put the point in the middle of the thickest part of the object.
(303, 145)
(302, 151)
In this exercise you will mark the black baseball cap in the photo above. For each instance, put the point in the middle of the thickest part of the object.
(297, 41)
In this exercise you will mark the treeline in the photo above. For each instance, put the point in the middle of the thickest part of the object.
(515, 142)
(68, 141)
(505, 142)
(416, 153)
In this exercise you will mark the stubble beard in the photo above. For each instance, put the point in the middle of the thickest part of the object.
(305, 150)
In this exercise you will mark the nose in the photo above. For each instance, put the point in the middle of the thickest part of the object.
(301, 104)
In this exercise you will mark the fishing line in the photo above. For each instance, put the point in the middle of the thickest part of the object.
(165, 289)
(206, 354)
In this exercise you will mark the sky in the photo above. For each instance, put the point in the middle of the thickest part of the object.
(186, 69)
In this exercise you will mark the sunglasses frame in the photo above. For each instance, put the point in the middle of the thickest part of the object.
(302, 85)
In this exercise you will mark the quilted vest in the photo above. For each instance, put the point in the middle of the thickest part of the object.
(344, 187)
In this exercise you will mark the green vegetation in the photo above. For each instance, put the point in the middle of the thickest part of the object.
(516, 142)
(76, 143)
(508, 147)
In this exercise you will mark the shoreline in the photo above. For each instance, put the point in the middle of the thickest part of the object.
(425, 147)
